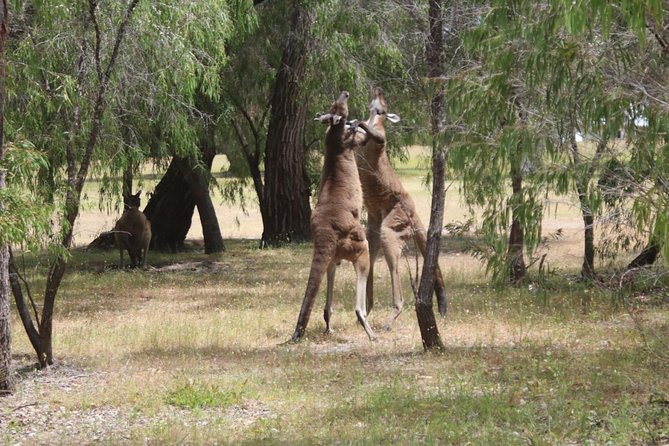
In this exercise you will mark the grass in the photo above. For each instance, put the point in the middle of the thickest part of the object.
(517, 370)
(199, 357)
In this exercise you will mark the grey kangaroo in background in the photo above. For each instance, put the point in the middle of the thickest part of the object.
(133, 232)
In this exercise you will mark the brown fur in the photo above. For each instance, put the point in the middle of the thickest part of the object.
(392, 213)
(133, 232)
(335, 222)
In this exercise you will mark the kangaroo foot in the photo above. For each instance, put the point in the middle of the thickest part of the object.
(298, 335)
(363, 321)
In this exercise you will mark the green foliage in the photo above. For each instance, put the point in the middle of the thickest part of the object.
(25, 217)
(543, 73)
(195, 395)
(172, 55)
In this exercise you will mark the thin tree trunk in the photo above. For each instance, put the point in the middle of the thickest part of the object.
(22, 307)
(517, 266)
(588, 267)
(424, 308)
(286, 212)
(6, 381)
(582, 188)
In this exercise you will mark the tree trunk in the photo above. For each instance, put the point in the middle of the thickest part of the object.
(22, 307)
(424, 310)
(582, 188)
(286, 212)
(170, 209)
(6, 382)
(197, 178)
(517, 267)
(588, 268)
(647, 257)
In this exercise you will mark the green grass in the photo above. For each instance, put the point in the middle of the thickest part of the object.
(195, 395)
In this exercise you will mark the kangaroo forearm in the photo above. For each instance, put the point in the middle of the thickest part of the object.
(373, 133)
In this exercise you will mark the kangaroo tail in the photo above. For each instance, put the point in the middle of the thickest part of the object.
(319, 266)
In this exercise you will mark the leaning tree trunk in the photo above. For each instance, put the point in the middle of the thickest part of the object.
(171, 207)
(648, 256)
(286, 212)
(6, 383)
(197, 179)
(424, 310)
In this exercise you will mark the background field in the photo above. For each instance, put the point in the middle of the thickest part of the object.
(192, 351)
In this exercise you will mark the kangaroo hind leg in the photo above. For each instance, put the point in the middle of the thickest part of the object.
(327, 312)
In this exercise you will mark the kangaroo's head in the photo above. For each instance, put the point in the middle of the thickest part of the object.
(132, 201)
(378, 109)
(338, 111)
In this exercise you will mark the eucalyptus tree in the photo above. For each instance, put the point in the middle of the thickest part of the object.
(326, 47)
(497, 139)
(77, 67)
(69, 89)
(628, 103)
(435, 58)
(542, 72)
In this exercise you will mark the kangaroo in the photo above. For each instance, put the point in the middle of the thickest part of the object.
(392, 217)
(133, 232)
(335, 222)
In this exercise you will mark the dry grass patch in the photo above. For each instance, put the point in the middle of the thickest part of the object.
(197, 355)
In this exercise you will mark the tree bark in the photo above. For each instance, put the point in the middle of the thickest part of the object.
(286, 212)
(515, 258)
(647, 256)
(424, 308)
(582, 188)
(170, 209)
(517, 266)
(6, 381)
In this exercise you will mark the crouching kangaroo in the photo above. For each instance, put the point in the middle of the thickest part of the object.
(335, 221)
(392, 217)
(133, 232)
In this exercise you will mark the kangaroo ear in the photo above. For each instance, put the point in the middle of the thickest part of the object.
(336, 119)
(392, 117)
(322, 117)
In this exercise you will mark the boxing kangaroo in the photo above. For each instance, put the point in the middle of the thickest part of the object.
(392, 217)
(335, 221)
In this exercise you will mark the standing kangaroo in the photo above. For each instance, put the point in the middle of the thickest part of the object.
(133, 232)
(392, 217)
(335, 221)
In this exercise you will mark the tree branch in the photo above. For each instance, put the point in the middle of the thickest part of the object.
(92, 5)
